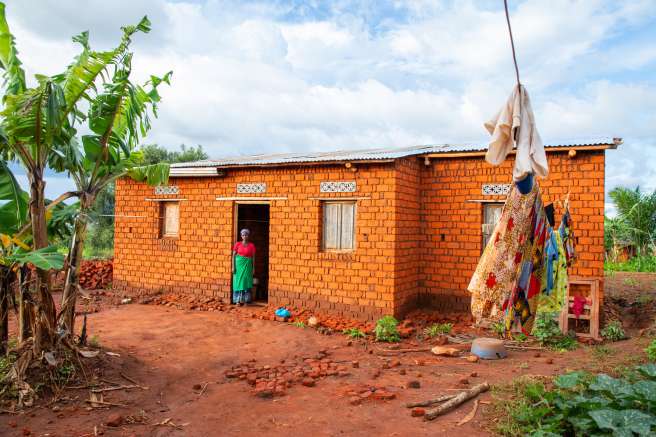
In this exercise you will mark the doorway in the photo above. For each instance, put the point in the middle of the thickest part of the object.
(255, 217)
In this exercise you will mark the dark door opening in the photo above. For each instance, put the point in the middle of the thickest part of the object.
(255, 217)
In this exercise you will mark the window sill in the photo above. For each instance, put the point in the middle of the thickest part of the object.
(339, 255)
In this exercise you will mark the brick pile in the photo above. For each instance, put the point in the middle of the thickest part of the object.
(95, 274)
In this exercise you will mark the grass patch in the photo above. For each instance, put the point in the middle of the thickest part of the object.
(353, 333)
(299, 324)
(602, 351)
(641, 263)
(438, 329)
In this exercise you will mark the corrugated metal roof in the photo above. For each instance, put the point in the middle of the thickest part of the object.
(371, 154)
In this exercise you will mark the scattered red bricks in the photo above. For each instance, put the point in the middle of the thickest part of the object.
(270, 381)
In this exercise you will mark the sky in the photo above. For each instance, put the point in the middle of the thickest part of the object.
(276, 76)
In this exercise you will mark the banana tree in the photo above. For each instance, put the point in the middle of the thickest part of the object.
(41, 120)
(118, 117)
(15, 251)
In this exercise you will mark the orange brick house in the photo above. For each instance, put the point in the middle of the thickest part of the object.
(356, 233)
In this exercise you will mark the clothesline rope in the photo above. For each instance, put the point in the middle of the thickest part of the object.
(512, 42)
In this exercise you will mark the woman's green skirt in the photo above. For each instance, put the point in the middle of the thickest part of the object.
(242, 279)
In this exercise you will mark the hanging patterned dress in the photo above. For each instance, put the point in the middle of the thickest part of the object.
(508, 276)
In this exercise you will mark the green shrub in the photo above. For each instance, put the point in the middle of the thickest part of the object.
(438, 329)
(582, 404)
(354, 333)
(299, 324)
(651, 351)
(548, 333)
(499, 329)
(640, 263)
(613, 331)
(386, 330)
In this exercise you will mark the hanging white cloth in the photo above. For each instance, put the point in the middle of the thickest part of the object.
(517, 114)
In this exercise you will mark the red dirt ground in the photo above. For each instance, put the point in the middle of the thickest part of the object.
(175, 353)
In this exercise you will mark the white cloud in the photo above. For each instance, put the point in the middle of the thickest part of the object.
(263, 77)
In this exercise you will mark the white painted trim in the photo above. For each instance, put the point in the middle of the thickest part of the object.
(254, 199)
(164, 200)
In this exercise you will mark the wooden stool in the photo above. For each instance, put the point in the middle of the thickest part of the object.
(589, 289)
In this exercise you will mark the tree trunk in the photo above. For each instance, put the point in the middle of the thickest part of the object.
(5, 287)
(69, 298)
(43, 324)
(24, 320)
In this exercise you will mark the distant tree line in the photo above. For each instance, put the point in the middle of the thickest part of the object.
(100, 238)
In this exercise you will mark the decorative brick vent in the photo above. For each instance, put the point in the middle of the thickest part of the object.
(259, 187)
(338, 187)
(167, 189)
(495, 189)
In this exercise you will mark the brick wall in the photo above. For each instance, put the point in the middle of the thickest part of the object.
(358, 284)
(418, 233)
(452, 222)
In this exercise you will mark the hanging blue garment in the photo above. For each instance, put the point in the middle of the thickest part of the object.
(550, 255)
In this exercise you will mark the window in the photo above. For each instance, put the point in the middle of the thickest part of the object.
(169, 224)
(338, 226)
(491, 216)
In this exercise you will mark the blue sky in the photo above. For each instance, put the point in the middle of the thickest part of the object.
(258, 76)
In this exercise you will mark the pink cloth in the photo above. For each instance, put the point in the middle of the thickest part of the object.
(247, 250)
(578, 305)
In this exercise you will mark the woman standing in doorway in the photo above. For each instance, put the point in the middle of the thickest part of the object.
(243, 261)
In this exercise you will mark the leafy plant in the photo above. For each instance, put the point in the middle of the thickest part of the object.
(386, 329)
(353, 333)
(639, 263)
(438, 329)
(521, 337)
(499, 329)
(582, 404)
(651, 351)
(548, 333)
(613, 331)
(299, 324)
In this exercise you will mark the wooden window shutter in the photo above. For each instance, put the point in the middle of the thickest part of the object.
(331, 216)
(347, 230)
(171, 219)
(339, 226)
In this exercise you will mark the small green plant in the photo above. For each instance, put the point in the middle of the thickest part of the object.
(438, 329)
(523, 365)
(645, 299)
(353, 333)
(299, 324)
(94, 341)
(613, 331)
(631, 282)
(386, 330)
(499, 329)
(521, 337)
(548, 333)
(651, 351)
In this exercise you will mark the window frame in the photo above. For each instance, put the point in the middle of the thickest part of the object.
(484, 223)
(339, 226)
(163, 208)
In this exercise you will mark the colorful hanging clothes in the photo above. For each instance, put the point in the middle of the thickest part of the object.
(508, 277)
(555, 290)
(567, 235)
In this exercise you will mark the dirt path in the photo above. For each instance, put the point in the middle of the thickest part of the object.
(171, 351)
